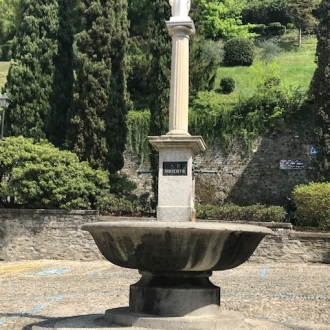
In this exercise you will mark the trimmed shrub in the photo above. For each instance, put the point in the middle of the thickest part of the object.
(231, 212)
(258, 29)
(275, 29)
(313, 205)
(227, 85)
(238, 52)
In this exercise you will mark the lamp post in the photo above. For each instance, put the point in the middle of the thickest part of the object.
(4, 103)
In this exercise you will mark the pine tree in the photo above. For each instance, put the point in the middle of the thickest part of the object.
(31, 74)
(56, 124)
(97, 119)
(160, 49)
(321, 90)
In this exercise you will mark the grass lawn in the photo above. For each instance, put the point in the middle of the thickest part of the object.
(4, 66)
(294, 66)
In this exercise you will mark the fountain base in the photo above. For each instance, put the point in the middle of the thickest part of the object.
(224, 320)
(174, 294)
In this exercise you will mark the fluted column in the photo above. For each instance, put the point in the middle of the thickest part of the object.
(179, 93)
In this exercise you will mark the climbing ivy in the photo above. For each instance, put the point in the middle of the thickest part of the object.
(271, 108)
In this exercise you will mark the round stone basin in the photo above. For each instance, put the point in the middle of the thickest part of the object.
(156, 246)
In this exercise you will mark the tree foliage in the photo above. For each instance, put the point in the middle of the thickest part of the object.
(265, 12)
(320, 88)
(38, 175)
(205, 57)
(62, 86)
(31, 74)
(10, 18)
(301, 14)
(160, 48)
(220, 19)
(97, 119)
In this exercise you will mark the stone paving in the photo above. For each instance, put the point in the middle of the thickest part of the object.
(271, 296)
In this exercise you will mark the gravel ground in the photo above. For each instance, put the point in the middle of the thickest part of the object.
(271, 296)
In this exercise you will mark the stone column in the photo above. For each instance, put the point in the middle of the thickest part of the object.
(176, 187)
(179, 94)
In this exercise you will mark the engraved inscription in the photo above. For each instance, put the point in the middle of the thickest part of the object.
(175, 168)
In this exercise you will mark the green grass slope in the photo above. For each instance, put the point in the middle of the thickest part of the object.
(294, 66)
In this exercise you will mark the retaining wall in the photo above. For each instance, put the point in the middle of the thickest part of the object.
(55, 234)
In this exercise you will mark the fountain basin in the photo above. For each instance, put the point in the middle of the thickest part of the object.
(155, 246)
(175, 260)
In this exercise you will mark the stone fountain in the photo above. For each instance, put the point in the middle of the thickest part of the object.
(175, 254)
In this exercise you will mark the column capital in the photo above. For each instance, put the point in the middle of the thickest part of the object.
(183, 27)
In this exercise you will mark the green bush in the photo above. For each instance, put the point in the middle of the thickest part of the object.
(275, 29)
(258, 29)
(313, 205)
(38, 175)
(290, 26)
(231, 212)
(238, 52)
(124, 206)
(227, 85)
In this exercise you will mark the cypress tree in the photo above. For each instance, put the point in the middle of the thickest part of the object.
(160, 49)
(31, 74)
(118, 97)
(97, 119)
(321, 90)
(63, 75)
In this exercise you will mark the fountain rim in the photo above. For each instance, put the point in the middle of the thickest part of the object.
(168, 225)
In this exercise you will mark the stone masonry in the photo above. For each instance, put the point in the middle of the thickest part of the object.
(56, 234)
(246, 178)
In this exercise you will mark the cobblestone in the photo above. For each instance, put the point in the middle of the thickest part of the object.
(287, 296)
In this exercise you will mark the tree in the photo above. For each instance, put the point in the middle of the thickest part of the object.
(265, 12)
(301, 14)
(39, 175)
(62, 86)
(160, 49)
(97, 119)
(31, 74)
(10, 19)
(118, 96)
(320, 88)
(205, 57)
(220, 19)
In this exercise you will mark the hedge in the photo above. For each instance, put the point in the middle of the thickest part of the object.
(313, 205)
(231, 212)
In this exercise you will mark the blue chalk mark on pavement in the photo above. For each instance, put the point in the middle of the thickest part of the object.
(41, 306)
(264, 271)
(34, 309)
(53, 272)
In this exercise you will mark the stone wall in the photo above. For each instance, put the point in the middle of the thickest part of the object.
(46, 234)
(291, 246)
(245, 178)
(54, 234)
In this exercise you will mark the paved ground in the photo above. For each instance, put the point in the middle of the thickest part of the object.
(271, 296)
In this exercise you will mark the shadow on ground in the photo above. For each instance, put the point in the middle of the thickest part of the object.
(79, 322)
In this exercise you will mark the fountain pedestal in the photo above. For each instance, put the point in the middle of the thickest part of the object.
(176, 187)
(174, 294)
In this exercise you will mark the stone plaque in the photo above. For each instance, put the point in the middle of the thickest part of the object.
(175, 168)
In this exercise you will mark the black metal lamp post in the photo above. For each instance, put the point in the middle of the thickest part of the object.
(4, 103)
